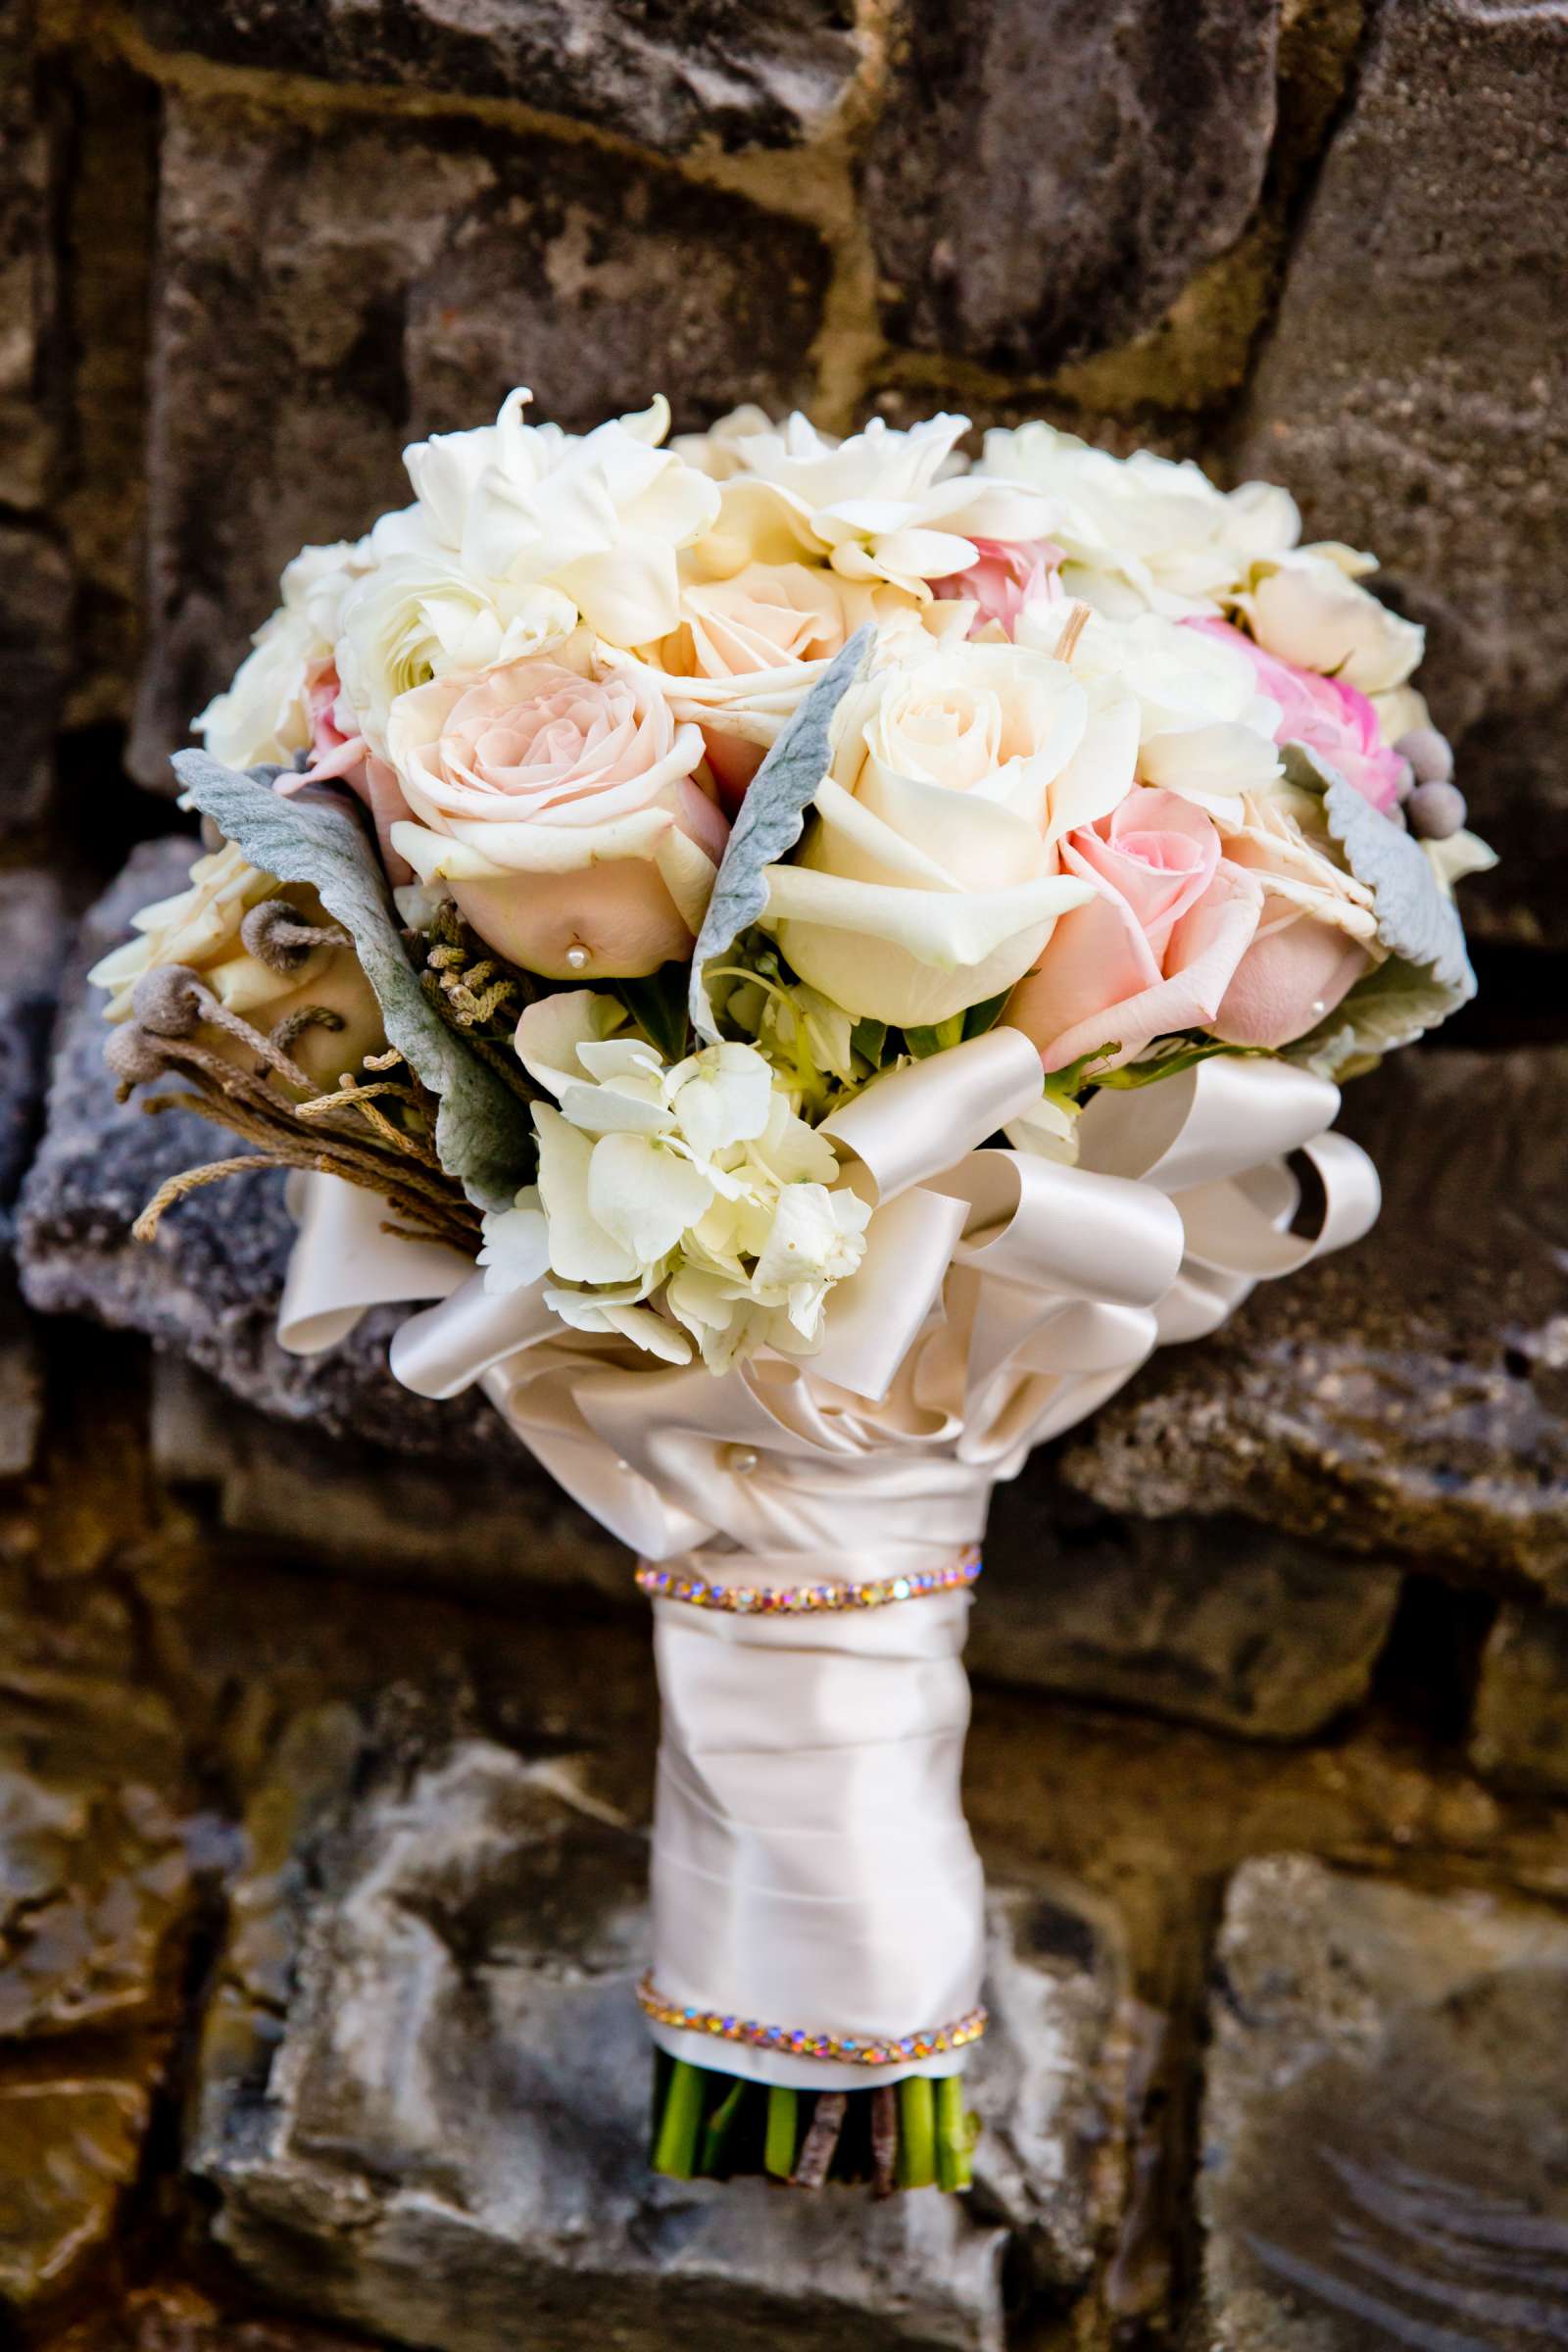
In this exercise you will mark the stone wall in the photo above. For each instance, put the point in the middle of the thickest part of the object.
(322, 1807)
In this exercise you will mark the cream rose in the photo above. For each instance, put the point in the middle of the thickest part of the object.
(200, 927)
(562, 811)
(1311, 609)
(929, 877)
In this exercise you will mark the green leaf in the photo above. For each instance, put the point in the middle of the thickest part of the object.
(483, 1133)
(923, 1043)
(868, 1039)
(657, 1006)
(772, 817)
(981, 1017)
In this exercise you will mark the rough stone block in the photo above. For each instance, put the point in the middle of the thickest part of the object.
(1408, 396)
(1520, 1732)
(34, 939)
(377, 1514)
(70, 2146)
(743, 73)
(1404, 1398)
(28, 291)
(1383, 2141)
(1216, 1621)
(445, 2123)
(315, 332)
(94, 1903)
(1045, 179)
(36, 613)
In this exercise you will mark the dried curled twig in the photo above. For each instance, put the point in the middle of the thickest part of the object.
(379, 1136)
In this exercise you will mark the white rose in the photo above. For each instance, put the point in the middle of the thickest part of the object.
(880, 506)
(1204, 730)
(419, 617)
(908, 906)
(265, 715)
(596, 519)
(1142, 533)
(1309, 608)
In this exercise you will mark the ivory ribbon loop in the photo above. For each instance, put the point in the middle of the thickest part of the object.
(344, 1262)
(913, 1123)
(810, 1864)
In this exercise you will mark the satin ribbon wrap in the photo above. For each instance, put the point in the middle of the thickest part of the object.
(812, 1866)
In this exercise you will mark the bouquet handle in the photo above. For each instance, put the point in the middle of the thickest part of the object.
(817, 1901)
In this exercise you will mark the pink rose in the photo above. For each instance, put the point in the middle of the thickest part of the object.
(1156, 948)
(340, 754)
(1330, 717)
(1006, 575)
(562, 810)
(1314, 935)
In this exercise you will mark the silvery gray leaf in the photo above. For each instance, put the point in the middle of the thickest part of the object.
(1388, 1007)
(1416, 921)
(483, 1133)
(1427, 974)
(772, 817)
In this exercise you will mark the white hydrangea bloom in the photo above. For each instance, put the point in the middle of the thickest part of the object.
(695, 1180)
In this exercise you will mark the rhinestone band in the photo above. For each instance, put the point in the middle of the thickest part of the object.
(799, 1600)
(791, 2042)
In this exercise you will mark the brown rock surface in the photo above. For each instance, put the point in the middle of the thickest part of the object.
(318, 332)
(1385, 2153)
(1411, 394)
(1214, 1620)
(35, 650)
(1519, 1737)
(1045, 177)
(763, 71)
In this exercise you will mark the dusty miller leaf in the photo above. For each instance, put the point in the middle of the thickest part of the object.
(483, 1133)
(1389, 1007)
(1416, 921)
(1427, 974)
(772, 817)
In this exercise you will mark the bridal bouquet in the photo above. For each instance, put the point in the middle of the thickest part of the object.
(814, 958)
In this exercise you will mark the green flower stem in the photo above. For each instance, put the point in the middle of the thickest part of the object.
(953, 2170)
(720, 2124)
(675, 2147)
(783, 2116)
(917, 2155)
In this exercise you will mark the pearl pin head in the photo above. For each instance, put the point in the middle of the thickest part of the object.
(578, 958)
